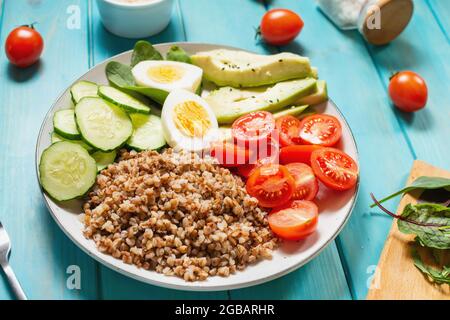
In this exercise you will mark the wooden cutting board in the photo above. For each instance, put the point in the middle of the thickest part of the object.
(396, 277)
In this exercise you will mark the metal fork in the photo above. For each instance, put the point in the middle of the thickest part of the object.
(5, 248)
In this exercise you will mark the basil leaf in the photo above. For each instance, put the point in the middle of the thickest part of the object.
(421, 183)
(429, 236)
(178, 54)
(120, 76)
(438, 276)
(143, 51)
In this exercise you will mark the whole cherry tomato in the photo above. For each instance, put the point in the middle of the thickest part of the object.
(280, 26)
(408, 91)
(24, 46)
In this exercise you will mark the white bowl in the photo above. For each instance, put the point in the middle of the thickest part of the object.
(135, 20)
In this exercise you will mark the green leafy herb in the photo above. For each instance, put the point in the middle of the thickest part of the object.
(143, 50)
(421, 183)
(178, 54)
(438, 276)
(120, 76)
(432, 226)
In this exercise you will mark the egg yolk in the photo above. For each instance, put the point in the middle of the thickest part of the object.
(191, 119)
(165, 74)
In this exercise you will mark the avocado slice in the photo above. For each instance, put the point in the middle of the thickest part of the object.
(230, 103)
(321, 95)
(291, 111)
(243, 69)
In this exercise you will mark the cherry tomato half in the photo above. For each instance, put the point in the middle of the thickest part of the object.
(294, 221)
(289, 130)
(334, 168)
(230, 155)
(271, 184)
(306, 185)
(320, 129)
(247, 169)
(24, 46)
(280, 26)
(297, 153)
(253, 129)
(408, 91)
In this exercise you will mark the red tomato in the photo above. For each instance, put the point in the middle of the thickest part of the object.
(321, 129)
(230, 155)
(289, 130)
(294, 221)
(247, 169)
(334, 168)
(408, 91)
(253, 129)
(280, 26)
(297, 153)
(24, 46)
(271, 184)
(306, 185)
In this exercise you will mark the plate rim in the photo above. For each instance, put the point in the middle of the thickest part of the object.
(194, 288)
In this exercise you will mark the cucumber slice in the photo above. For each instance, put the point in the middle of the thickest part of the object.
(148, 134)
(83, 89)
(123, 100)
(102, 124)
(65, 125)
(104, 159)
(57, 138)
(66, 170)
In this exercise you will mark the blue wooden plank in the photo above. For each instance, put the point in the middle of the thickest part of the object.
(41, 253)
(441, 11)
(354, 85)
(232, 22)
(114, 285)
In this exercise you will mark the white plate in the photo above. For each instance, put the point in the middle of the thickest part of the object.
(335, 208)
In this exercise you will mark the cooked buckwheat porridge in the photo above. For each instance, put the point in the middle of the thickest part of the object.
(178, 214)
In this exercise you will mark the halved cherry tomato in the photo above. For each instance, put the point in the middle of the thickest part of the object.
(271, 184)
(306, 185)
(408, 91)
(298, 153)
(247, 169)
(253, 129)
(230, 155)
(295, 220)
(321, 129)
(334, 168)
(289, 129)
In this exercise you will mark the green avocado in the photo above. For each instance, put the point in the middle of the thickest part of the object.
(321, 95)
(291, 111)
(230, 103)
(243, 69)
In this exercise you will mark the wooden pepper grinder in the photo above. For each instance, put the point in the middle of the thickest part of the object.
(381, 21)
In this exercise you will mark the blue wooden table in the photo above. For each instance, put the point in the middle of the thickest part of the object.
(357, 74)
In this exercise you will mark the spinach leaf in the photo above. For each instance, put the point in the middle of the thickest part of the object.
(427, 213)
(143, 50)
(438, 276)
(178, 54)
(421, 183)
(120, 76)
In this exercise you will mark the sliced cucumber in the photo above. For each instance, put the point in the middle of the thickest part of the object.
(57, 138)
(65, 125)
(102, 124)
(148, 134)
(66, 170)
(104, 159)
(294, 111)
(123, 100)
(83, 89)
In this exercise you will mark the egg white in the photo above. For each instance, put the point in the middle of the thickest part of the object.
(174, 137)
(190, 80)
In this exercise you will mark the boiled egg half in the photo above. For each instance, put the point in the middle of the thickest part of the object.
(167, 75)
(188, 122)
